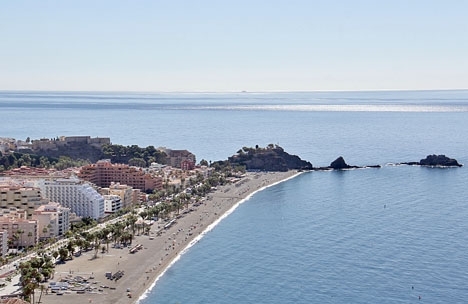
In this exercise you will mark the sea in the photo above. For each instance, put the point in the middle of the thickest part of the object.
(396, 234)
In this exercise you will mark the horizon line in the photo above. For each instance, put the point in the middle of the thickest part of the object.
(231, 92)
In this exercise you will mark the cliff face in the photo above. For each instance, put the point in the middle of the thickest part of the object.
(272, 158)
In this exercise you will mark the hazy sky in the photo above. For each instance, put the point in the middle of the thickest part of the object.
(233, 45)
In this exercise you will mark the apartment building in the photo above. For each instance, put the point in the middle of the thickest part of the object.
(103, 173)
(52, 220)
(77, 195)
(21, 231)
(3, 242)
(24, 198)
(112, 203)
(181, 159)
(125, 192)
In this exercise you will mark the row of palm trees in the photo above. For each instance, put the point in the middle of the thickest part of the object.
(17, 238)
(121, 232)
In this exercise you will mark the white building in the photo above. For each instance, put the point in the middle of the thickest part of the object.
(79, 196)
(112, 203)
(3, 243)
(52, 220)
(125, 193)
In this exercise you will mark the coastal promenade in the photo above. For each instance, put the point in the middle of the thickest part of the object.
(140, 270)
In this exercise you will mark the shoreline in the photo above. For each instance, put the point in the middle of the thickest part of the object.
(204, 232)
(143, 269)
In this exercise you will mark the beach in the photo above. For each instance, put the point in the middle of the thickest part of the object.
(139, 271)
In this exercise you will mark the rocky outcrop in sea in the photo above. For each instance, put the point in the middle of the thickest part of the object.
(340, 164)
(435, 161)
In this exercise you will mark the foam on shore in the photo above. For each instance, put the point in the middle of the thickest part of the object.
(204, 232)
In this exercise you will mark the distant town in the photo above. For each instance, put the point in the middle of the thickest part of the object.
(49, 185)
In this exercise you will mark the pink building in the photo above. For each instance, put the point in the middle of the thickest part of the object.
(104, 173)
(21, 231)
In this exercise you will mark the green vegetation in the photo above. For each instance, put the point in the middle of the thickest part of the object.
(16, 160)
(133, 155)
(34, 272)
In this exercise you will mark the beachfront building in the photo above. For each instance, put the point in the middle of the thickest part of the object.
(3, 242)
(52, 220)
(112, 203)
(103, 173)
(77, 195)
(19, 197)
(21, 231)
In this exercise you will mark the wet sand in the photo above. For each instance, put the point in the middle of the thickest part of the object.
(142, 268)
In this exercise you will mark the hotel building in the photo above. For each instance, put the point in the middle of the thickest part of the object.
(103, 173)
(79, 196)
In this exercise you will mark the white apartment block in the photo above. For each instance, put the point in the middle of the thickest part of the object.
(3, 242)
(112, 203)
(52, 220)
(79, 196)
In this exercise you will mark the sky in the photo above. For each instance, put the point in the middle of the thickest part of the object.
(231, 46)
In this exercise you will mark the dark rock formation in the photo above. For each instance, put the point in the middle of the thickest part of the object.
(271, 158)
(340, 164)
(439, 161)
(435, 161)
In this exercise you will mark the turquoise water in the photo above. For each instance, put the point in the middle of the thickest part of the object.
(385, 235)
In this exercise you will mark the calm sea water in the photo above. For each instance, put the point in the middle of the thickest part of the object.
(384, 235)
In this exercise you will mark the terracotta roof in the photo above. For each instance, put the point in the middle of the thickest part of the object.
(13, 301)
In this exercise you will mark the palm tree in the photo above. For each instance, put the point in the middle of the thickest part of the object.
(21, 232)
(70, 247)
(30, 236)
(33, 272)
(105, 237)
(55, 254)
(42, 287)
(116, 231)
(131, 220)
(63, 252)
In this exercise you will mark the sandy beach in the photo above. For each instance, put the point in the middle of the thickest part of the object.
(142, 268)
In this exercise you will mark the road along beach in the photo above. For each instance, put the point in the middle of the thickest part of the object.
(138, 272)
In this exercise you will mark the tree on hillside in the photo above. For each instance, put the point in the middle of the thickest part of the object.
(137, 162)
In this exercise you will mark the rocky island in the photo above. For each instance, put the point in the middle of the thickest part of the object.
(435, 161)
(340, 164)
